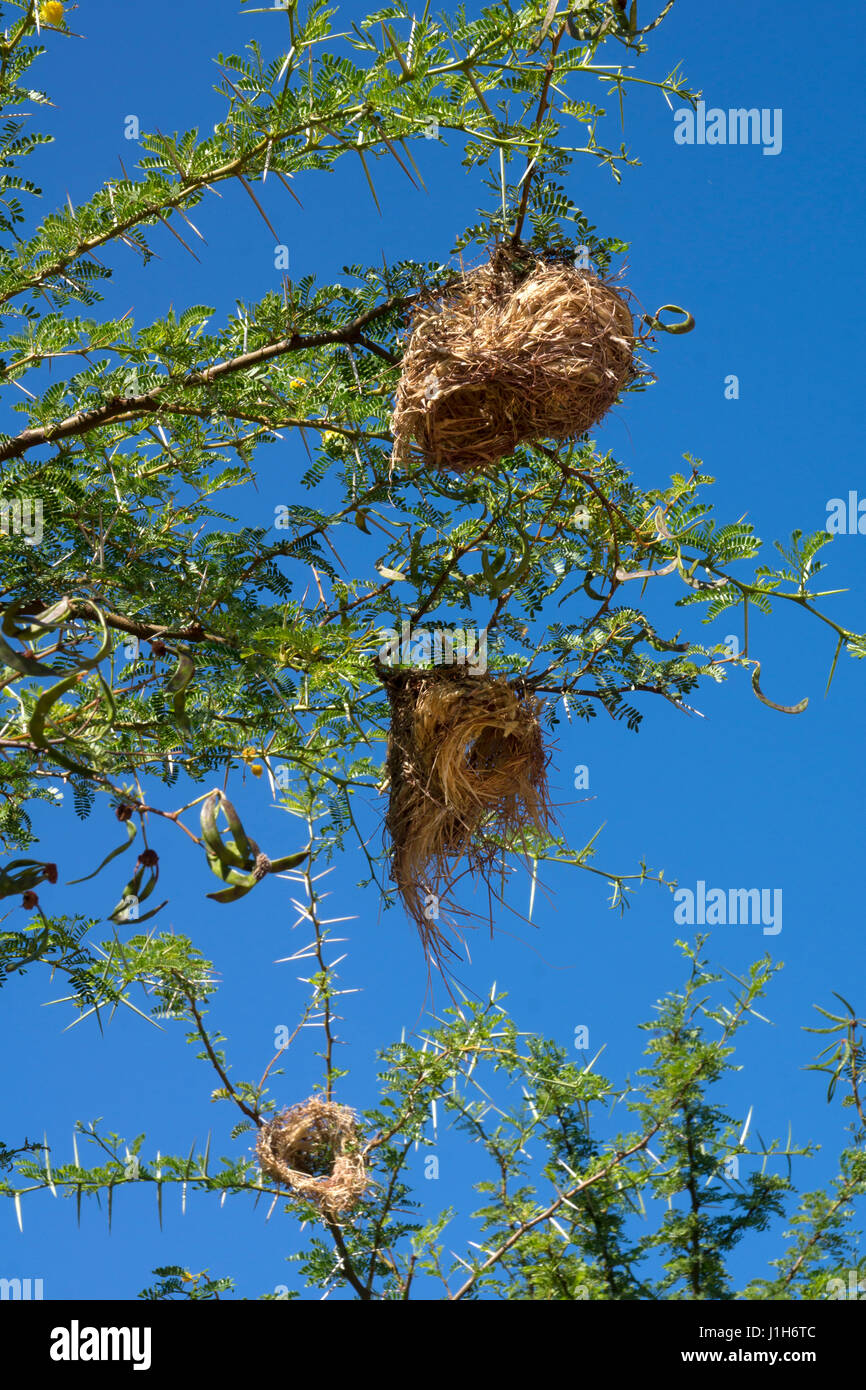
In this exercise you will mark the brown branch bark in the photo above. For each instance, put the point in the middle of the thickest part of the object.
(120, 408)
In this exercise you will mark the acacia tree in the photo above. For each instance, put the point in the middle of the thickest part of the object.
(152, 648)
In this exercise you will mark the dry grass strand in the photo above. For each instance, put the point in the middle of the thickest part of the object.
(519, 350)
(311, 1148)
(467, 772)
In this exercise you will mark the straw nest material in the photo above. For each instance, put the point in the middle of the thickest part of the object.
(311, 1148)
(467, 774)
(517, 351)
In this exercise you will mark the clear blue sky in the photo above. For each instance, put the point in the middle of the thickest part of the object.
(766, 253)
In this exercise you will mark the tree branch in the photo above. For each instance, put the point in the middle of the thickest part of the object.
(120, 408)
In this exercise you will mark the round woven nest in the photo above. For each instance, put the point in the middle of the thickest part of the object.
(467, 777)
(514, 352)
(311, 1148)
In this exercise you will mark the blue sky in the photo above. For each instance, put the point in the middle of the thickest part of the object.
(764, 251)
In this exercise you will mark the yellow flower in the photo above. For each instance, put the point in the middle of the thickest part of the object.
(51, 12)
(337, 442)
(249, 756)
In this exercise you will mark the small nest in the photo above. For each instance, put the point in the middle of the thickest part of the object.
(310, 1148)
(518, 351)
(467, 772)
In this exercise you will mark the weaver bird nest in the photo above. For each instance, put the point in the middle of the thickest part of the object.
(467, 775)
(517, 351)
(311, 1148)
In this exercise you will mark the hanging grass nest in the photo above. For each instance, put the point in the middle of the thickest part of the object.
(467, 773)
(517, 351)
(311, 1147)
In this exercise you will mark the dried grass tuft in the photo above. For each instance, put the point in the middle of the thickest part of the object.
(467, 772)
(517, 351)
(311, 1148)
